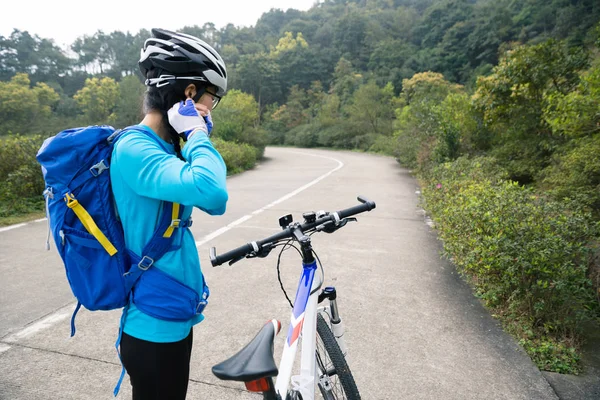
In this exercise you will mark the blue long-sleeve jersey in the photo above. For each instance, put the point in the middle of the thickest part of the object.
(143, 175)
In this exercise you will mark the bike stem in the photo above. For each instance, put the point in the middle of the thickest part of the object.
(305, 246)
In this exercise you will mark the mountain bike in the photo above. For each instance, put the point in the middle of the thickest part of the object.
(315, 318)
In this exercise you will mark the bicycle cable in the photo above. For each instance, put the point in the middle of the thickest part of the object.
(287, 246)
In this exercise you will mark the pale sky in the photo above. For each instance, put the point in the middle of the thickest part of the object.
(66, 20)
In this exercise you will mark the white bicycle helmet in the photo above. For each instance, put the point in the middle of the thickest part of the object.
(182, 56)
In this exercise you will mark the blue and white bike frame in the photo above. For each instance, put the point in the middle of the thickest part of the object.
(303, 320)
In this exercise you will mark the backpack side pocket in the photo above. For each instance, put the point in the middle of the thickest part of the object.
(95, 276)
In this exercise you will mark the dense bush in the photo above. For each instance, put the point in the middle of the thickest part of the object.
(575, 172)
(21, 182)
(238, 157)
(527, 256)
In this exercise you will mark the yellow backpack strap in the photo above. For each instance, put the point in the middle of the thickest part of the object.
(89, 224)
(175, 221)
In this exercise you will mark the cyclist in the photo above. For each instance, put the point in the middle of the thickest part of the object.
(186, 78)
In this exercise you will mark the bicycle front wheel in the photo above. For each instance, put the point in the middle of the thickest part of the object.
(335, 379)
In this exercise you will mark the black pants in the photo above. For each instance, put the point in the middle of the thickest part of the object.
(157, 371)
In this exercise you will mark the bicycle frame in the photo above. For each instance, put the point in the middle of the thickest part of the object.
(303, 319)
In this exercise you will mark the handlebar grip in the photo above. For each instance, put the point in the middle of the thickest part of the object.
(367, 205)
(241, 251)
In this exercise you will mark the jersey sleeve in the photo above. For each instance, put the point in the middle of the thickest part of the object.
(199, 181)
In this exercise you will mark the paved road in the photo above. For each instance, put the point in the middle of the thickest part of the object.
(413, 328)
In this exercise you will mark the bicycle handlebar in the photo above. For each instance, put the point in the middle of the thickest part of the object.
(287, 233)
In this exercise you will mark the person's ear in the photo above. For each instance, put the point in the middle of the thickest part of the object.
(190, 91)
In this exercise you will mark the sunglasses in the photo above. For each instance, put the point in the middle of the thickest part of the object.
(215, 98)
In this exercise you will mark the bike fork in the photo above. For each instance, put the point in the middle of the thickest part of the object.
(337, 327)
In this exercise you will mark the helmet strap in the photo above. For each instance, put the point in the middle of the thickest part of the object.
(201, 91)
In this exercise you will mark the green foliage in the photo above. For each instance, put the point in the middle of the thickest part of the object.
(259, 76)
(428, 126)
(383, 145)
(313, 118)
(21, 178)
(98, 100)
(350, 35)
(371, 109)
(512, 101)
(428, 87)
(129, 104)
(575, 113)
(302, 136)
(575, 172)
(22, 107)
(289, 43)
(527, 256)
(295, 112)
(553, 355)
(21, 53)
(236, 112)
(345, 80)
(238, 156)
(512, 97)
(236, 120)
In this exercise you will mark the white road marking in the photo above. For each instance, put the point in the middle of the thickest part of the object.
(8, 228)
(44, 323)
(245, 218)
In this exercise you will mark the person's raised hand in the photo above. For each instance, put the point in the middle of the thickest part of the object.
(187, 118)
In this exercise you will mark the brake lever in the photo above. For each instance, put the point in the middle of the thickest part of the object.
(263, 252)
(236, 260)
(331, 227)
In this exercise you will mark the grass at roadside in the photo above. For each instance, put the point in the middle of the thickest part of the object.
(22, 217)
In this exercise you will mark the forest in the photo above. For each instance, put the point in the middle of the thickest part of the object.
(494, 105)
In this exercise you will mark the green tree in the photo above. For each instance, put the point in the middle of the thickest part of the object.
(513, 99)
(98, 100)
(236, 115)
(295, 112)
(23, 109)
(427, 87)
(40, 58)
(258, 74)
(345, 80)
(575, 113)
(349, 37)
(387, 61)
(87, 49)
(371, 109)
(129, 105)
(298, 62)
(418, 129)
(440, 17)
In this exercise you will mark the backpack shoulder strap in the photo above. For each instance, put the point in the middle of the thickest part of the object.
(159, 244)
(162, 238)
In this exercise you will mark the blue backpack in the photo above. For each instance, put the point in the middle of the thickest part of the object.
(102, 273)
